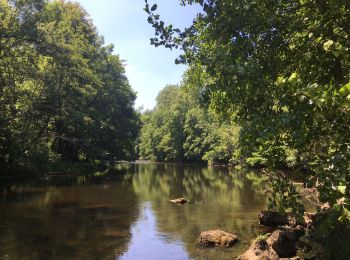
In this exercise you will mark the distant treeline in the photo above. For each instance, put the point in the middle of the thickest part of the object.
(63, 93)
(180, 128)
(183, 127)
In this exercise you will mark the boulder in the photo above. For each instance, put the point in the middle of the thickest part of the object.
(259, 250)
(293, 233)
(274, 219)
(280, 242)
(179, 201)
(265, 229)
(218, 238)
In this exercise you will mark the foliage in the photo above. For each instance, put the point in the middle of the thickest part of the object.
(179, 129)
(281, 69)
(63, 93)
(162, 134)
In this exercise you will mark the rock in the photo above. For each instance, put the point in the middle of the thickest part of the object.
(259, 250)
(309, 218)
(282, 244)
(293, 233)
(219, 238)
(265, 229)
(179, 201)
(274, 219)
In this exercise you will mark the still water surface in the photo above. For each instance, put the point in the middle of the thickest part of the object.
(127, 215)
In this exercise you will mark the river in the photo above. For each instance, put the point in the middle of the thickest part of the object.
(127, 214)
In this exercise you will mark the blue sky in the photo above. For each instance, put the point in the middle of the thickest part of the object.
(124, 23)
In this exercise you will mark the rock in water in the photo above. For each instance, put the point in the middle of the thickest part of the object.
(179, 201)
(259, 250)
(218, 238)
(281, 243)
(274, 219)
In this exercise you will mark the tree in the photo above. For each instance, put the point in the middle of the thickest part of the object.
(281, 69)
(179, 129)
(64, 94)
(163, 136)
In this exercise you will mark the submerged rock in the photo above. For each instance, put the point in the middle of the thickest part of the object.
(218, 238)
(179, 201)
(274, 219)
(259, 250)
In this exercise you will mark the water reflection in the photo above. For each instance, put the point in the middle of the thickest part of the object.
(220, 199)
(76, 222)
(147, 243)
(127, 214)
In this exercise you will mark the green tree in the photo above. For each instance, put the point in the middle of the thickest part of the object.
(180, 129)
(64, 94)
(162, 136)
(281, 69)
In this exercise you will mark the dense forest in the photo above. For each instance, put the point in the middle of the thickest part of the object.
(64, 95)
(180, 129)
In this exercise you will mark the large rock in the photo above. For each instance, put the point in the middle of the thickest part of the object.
(259, 250)
(293, 233)
(280, 241)
(280, 244)
(274, 219)
(218, 238)
(179, 201)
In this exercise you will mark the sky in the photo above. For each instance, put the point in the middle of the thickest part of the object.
(124, 23)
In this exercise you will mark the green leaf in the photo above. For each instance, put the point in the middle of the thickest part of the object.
(342, 189)
(345, 215)
(154, 7)
(293, 77)
(345, 90)
(327, 45)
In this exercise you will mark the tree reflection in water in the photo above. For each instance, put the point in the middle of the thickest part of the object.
(220, 198)
(127, 214)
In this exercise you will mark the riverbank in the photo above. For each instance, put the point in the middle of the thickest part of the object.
(57, 168)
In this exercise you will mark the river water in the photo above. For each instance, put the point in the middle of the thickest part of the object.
(127, 214)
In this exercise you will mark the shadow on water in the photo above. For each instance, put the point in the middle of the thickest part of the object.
(127, 213)
(87, 221)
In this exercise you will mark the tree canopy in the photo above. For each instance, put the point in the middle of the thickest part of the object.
(63, 93)
(282, 70)
(179, 129)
